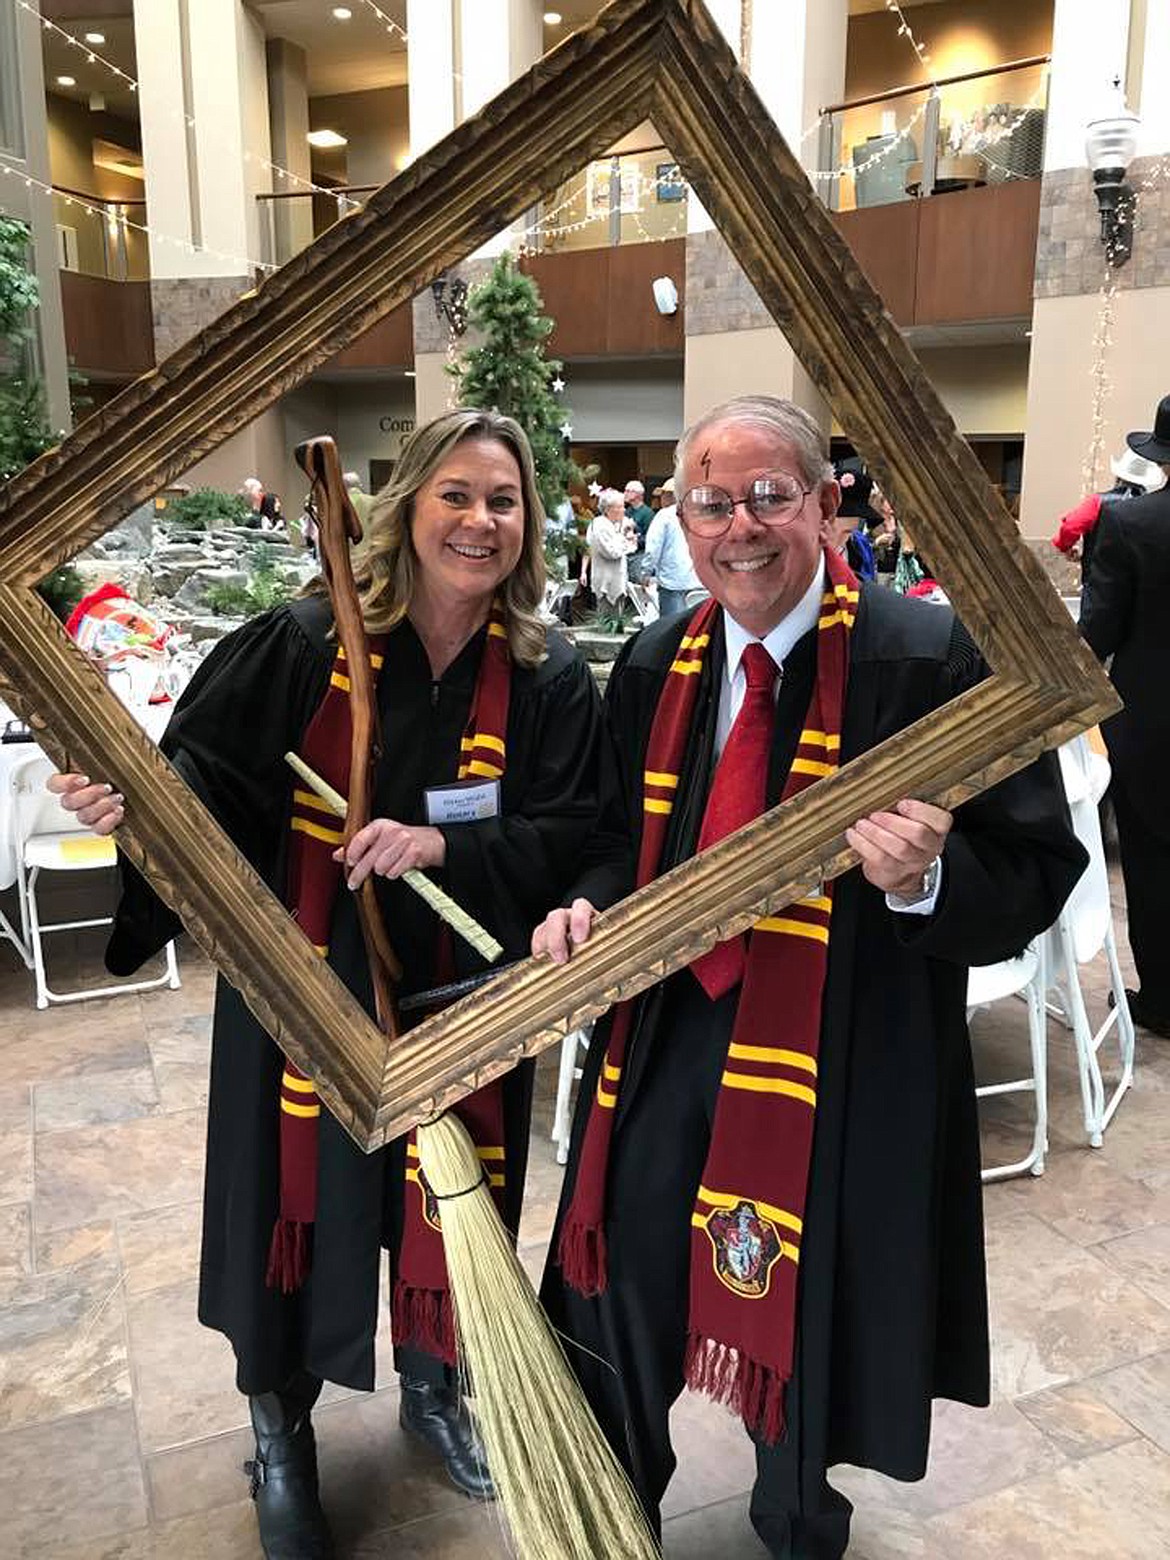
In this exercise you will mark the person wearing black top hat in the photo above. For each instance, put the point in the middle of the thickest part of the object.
(1123, 615)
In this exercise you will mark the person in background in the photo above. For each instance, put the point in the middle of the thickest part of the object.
(1124, 614)
(773, 1189)
(264, 507)
(609, 550)
(362, 501)
(639, 514)
(667, 559)
(854, 515)
(1135, 476)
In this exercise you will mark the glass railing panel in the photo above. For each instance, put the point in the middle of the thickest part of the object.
(101, 238)
(991, 128)
(871, 154)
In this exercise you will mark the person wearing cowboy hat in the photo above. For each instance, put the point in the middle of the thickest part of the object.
(1123, 615)
(1135, 475)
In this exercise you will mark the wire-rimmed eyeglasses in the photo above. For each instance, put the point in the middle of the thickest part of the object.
(775, 498)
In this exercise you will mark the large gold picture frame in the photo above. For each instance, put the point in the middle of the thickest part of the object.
(664, 59)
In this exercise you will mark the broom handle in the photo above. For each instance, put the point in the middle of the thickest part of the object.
(441, 902)
(339, 526)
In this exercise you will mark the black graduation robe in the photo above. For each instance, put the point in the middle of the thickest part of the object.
(892, 1301)
(248, 704)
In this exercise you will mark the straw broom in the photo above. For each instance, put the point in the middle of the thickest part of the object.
(562, 1491)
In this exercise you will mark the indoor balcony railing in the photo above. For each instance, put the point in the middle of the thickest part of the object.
(101, 237)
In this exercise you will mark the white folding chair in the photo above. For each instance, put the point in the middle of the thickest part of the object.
(567, 1074)
(1023, 976)
(1084, 928)
(48, 839)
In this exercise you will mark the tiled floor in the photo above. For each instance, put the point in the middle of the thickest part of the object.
(121, 1434)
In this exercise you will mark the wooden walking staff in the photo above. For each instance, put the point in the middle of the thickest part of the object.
(561, 1489)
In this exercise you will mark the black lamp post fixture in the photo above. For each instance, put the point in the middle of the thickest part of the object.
(1110, 147)
(451, 302)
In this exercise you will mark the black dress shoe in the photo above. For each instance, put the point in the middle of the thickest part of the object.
(1157, 1023)
(435, 1415)
(284, 1474)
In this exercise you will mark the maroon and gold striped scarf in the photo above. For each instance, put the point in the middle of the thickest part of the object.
(746, 1223)
(421, 1302)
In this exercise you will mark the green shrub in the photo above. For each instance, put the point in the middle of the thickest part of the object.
(205, 508)
(62, 590)
(267, 587)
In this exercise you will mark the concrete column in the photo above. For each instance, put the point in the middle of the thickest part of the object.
(1154, 100)
(478, 47)
(203, 63)
(33, 206)
(288, 128)
(795, 55)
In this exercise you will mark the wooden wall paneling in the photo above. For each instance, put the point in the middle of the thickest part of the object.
(633, 324)
(884, 241)
(108, 325)
(977, 253)
(389, 344)
(575, 286)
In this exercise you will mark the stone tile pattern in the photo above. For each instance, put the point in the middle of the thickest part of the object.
(431, 331)
(718, 293)
(1069, 256)
(122, 1435)
(181, 306)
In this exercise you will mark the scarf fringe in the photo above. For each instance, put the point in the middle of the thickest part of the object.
(288, 1256)
(726, 1375)
(424, 1319)
(581, 1256)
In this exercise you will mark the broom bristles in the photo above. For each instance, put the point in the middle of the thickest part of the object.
(562, 1491)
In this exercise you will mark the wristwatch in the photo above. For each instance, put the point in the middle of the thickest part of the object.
(930, 879)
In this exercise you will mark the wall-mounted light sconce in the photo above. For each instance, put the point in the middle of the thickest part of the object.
(451, 301)
(1110, 146)
(665, 295)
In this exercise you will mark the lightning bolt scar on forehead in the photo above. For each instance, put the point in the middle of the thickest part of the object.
(705, 462)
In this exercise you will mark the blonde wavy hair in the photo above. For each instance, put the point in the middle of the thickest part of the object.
(386, 572)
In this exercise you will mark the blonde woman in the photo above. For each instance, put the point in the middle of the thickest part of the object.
(467, 680)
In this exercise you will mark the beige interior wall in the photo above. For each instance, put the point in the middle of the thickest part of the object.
(985, 389)
(72, 129)
(959, 35)
(376, 124)
(1060, 393)
(255, 451)
(723, 364)
(433, 387)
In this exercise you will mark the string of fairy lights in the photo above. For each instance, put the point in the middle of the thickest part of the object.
(633, 186)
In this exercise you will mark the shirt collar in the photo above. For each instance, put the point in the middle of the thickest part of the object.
(780, 641)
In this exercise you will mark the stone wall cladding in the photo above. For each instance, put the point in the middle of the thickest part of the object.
(1070, 260)
(431, 332)
(718, 293)
(183, 306)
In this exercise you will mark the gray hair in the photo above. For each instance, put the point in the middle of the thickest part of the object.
(769, 413)
(609, 496)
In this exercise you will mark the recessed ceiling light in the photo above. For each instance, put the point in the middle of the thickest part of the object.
(342, 13)
(553, 18)
(326, 138)
(95, 38)
(66, 81)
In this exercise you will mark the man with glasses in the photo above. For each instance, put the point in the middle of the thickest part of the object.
(773, 1191)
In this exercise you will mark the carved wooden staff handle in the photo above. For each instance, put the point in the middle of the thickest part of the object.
(339, 526)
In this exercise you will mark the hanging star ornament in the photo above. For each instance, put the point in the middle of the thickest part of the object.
(595, 490)
(566, 430)
(558, 385)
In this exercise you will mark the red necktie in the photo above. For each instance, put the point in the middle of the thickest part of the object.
(736, 797)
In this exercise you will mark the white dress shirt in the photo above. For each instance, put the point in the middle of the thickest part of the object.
(778, 643)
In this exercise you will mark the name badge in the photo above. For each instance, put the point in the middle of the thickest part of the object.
(466, 801)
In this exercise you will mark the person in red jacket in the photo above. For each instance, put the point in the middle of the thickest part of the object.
(1135, 476)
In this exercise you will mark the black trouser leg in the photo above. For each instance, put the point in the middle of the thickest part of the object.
(796, 1512)
(1145, 867)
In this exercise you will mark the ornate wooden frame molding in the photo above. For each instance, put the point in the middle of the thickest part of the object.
(665, 58)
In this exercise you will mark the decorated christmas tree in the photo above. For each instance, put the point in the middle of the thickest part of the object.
(509, 372)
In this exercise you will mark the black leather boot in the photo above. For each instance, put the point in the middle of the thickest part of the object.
(435, 1415)
(284, 1473)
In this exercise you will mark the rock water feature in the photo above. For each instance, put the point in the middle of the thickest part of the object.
(180, 572)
